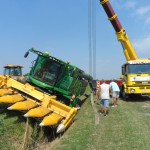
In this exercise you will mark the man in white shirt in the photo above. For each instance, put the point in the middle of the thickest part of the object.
(103, 95)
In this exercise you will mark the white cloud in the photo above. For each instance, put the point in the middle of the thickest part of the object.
(147, 20)
(142, 13)
(142, 46)
(139, 13)
(143, 10)
(130, 4)
(121, 4)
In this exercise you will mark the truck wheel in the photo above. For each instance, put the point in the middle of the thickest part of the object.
(125, 96)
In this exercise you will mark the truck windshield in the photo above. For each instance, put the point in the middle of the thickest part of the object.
(46, 70)
(139, 68)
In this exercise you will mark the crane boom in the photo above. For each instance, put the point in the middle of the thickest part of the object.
(129, 51)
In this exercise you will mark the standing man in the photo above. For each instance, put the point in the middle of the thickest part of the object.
(115, 92)
(103, 95)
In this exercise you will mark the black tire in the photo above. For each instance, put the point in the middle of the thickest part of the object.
(124, 96)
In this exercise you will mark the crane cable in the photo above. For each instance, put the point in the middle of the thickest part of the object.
(92, 37)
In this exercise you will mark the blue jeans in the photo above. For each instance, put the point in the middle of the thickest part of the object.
(104, 102)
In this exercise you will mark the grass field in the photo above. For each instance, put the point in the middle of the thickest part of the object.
(127, 127)
(11, 131)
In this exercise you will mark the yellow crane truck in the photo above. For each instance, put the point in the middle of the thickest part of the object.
(135, 72)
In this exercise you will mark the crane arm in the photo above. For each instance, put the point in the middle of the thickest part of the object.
(129, 51)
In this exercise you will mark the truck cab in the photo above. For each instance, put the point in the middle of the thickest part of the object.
(13, 70)
(136, 78)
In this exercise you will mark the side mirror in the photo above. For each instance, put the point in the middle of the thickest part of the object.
(26, 54)
(125, 74)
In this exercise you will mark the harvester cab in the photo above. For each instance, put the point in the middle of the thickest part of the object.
(57, 77)
(13, 70)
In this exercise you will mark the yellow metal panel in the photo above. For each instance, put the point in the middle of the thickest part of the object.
(5, 92)
(26, 88)
(3, 81)
(51, 120)
(67, 122)
(25, 105)
(123, 38)
(11, 98)
(59, 108)
(37, 112)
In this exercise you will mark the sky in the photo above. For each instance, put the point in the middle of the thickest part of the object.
(61, 28)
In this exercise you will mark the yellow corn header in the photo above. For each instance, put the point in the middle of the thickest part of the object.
(24, 97)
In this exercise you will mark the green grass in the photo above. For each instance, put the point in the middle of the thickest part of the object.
(126, 128)
(11, 132)
(16, 133)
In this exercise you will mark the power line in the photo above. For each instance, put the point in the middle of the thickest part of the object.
(92, 37)
(89, 36)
